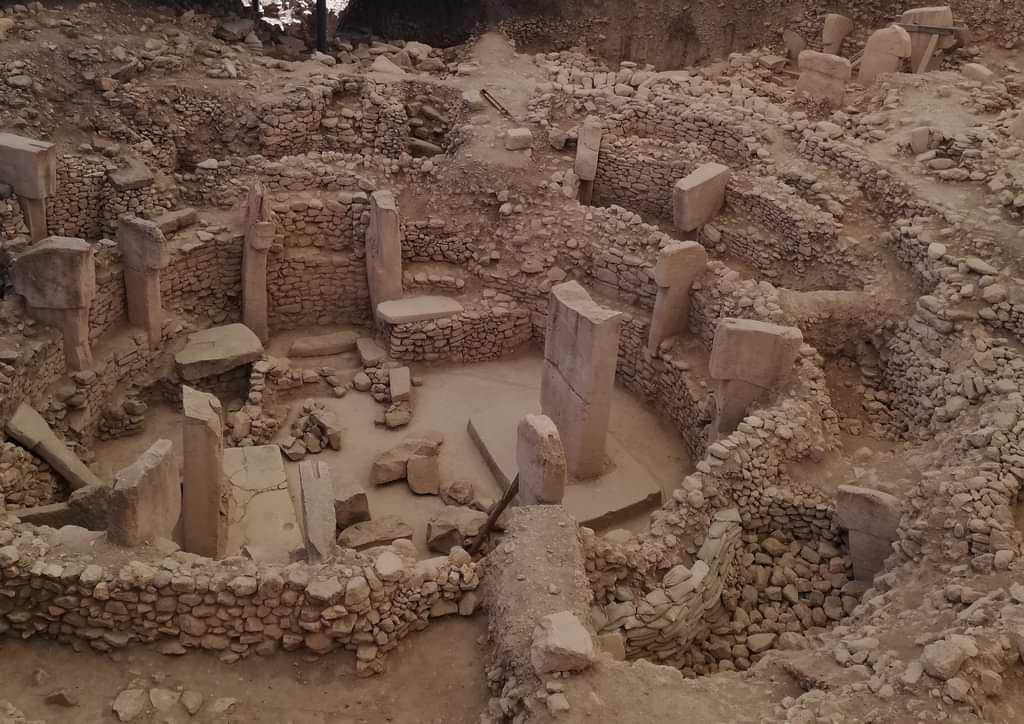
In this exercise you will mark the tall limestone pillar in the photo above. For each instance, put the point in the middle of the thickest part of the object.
(144, 254)
(260, 228)
(206, 498)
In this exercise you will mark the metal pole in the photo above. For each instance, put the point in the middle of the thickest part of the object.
(321, 25)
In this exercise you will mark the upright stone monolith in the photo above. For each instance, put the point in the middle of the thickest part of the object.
(823, 77)
(145, 502)
(384, 249)
(834, 31)
(30, 168)
(747, 359)
(318, 516)
(678, 265)
(580, 355)
(206, 499)
(57, 278)
(260, 228)
(540, 460)
(588, 150)
(884, 52)
(143, 254)
(697, 198)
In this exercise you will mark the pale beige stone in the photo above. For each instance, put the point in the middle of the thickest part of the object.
(384, 249)
(318, 512)
(260, 227)
(823, 76)
(699, 197)
(540, 459)
(884, 52)
(145, 502)
(144, 254)
(679, 264)
(206, 499)
(588, 148)
(834, 31)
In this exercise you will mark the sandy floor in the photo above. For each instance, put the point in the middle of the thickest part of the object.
(448, 396)
(440, 671)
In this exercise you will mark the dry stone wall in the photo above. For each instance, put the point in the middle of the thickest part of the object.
(486, 332)
(233, 607)
(25, 480)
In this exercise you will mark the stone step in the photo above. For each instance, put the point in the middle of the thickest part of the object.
(417, 309)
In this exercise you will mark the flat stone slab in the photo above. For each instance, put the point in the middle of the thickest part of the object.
(371, 353)
(259, 485)
(323, 345)
(625, 489)
(30, 429)
(217, 350)
(417, 309)
(378, 532)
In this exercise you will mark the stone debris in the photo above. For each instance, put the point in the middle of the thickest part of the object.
(561, 643)
(377, 532)
(324, 345)
(453, 526)
(393, 464)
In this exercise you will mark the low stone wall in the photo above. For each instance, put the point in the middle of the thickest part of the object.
(234, 607)
(485, 333)
(430, 240)
(204, 278)
(25, 480)
(110, 304)
(640, 174)
(335, 222)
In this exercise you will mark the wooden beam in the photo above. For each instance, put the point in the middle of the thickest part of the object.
(933, 43)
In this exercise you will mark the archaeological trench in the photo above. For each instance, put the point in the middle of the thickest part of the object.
(677, 354)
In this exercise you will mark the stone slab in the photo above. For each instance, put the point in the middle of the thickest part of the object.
(377, 532)
(30, 429)
(266, 507)
(754, 352)
(145, 502)
(132, 177)
(697, 198)
(625, 489)
(318, 517)
(217, 350)
(324, 345)
(417, 309)
(59, 272)
(29, 166)
(399, 383)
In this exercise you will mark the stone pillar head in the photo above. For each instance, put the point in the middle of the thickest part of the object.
(142, 243)
(28, 166)
(57, 273)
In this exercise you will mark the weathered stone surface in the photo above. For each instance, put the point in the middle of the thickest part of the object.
(217, 350)
(943, 659)
(453, 526)
(518, 139)
(28, 165)
(417, 309)
(206, 498)
(384, 250)
(391, 465)
(370, 353)
(699, 197)
(824, 76)
(318, 514)
(885, 52)
(399, 383)
(561, 643)
(351, 505)
(540, 459)
(30, 429)
(423, 474)
(145, 502)
(377, 532)
(324, 345)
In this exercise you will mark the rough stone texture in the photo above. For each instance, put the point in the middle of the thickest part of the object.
(145, 502)
(679, 264)
(580, 352)
(144, 254)
(873, 519)
(206, 499)
(823, 76)
(561, 643)
(217, 350)
(697, 198)
(540, 460)
(885, 52)
(384, 249)
(30, 429)
(318, 512)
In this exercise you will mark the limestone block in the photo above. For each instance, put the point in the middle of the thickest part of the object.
(518, 139)
(371, 354)
(755, 352)
(30, 429)
(823, 76)
(28, 166)
(392, 464)
(540, 460)
(351, 505)
(561, 643)
(939, 16)
(57, 273)
(884, 53)
(423, 474)
(453, 526)
(318, 516)
(324, 345)
(699, 197)
(384, 249)
(145, 502)
(868, 510)
(399, 383)
(588, 148)
(206, 499)
(142, 244)
(417, 309)
(376, 532)
(978, 72)
(834, 31)
(679, 263)
(217, 350)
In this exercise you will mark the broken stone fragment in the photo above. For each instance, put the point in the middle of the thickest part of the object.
(561, 643)
(380, 531)
(324, 345)
(453, 526)
(392, 464)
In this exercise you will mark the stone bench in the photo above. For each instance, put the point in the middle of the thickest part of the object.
(417, 309)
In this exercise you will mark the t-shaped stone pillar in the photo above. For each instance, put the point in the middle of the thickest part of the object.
(580, 353)
(748, 358)
(143, 254)
(540, 459)
(834, 32)
(936, 16)
(872, 518)
(384, 249)
(260, 228)
(699, 197)
(30, 168)
(57, 278)
(206, 499)
(678, 265)
(588, 149)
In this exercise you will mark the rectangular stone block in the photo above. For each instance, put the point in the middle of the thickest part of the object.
(28, 166)
(384, 249)
(699, 197)
(145, 502)
(540, 460)
(206, 498)
(884, 53)
(57, 273)
(823, 76)
(755, 352)
(399, 383)
(318, 516)
(868, 510)
(588, 149)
